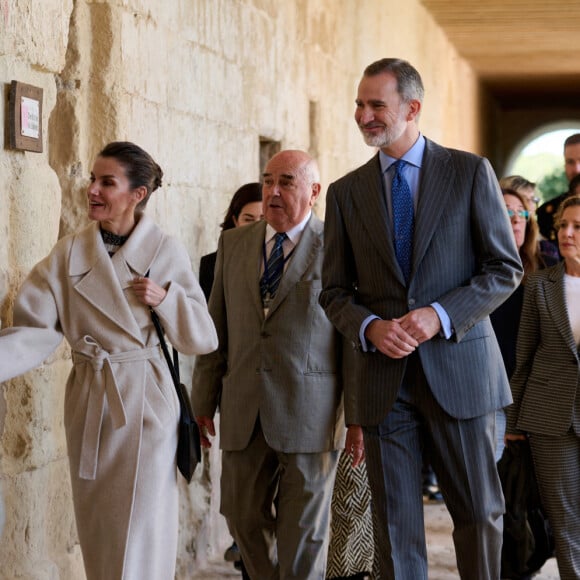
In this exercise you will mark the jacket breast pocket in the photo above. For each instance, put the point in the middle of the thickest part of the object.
(308, 291)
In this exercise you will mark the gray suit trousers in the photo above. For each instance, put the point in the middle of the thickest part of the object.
(462, 456)
(557, 465)
(277, 506)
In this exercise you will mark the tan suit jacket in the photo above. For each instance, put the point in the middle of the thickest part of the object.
(283, 367)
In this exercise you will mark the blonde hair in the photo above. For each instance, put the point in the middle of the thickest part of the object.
(572, 201)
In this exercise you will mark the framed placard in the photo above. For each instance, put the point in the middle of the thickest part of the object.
(25, 117)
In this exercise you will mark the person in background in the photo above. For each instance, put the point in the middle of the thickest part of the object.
(277, 379)
(506, 318)
(524, 186)
(418, 252)
(245, 208)
(527, 188)
(96, 288)
(575, 185)
(352, 552)
(546, 212)
(545, 390)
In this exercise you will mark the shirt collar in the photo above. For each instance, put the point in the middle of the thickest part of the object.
(413, 156)
(293, 234)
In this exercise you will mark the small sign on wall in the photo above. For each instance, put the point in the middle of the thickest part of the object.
(25, 117)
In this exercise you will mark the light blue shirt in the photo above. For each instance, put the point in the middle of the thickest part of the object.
(412, 173)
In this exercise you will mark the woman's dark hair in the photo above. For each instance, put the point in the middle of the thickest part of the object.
(248, 193)
(139, 166)
(530, 251)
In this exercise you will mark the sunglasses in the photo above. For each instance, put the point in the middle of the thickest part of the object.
(522, 213)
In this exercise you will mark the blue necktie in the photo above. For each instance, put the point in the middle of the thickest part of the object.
(274, 268)
(402, 218)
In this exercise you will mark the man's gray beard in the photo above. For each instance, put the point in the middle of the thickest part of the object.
(382, 140)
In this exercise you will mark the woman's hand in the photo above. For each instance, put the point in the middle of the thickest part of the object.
(148, 291)
(355, 444)
(206, 429)
(513, 437)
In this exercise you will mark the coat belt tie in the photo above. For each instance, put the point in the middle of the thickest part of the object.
(103, 384)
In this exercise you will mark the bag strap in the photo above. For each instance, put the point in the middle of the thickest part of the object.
(173, 365)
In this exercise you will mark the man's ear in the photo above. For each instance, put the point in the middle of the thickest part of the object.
(315, 193)
(414, 109)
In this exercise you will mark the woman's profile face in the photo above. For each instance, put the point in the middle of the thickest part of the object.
(251, 212)
(516, 208)
(111, 200)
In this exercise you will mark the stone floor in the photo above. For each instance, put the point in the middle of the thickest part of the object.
(441, 553)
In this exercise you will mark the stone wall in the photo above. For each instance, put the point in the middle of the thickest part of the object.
(199, 84)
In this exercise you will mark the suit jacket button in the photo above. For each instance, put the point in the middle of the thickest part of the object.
(411, 302)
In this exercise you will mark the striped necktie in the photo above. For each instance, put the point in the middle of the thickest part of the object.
(402, 218)
(274, 268)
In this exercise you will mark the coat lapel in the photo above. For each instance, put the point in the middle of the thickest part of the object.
(139, 252)
(556, 304)
(252, 248)
(369, 199)
(437, 176)
(103, 280)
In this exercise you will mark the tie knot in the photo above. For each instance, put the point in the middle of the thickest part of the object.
(399, 165)
(279, 238)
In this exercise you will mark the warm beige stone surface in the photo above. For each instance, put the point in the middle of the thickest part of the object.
(197, 83)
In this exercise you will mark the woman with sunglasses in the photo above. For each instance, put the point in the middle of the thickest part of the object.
(506, 321)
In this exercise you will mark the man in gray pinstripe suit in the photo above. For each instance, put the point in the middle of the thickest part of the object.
(428, 371)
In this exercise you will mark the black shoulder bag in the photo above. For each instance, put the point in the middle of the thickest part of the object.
(188, 442)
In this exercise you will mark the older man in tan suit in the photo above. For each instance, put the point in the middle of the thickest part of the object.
(276, 380)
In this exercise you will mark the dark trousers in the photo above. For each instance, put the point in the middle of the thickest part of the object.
(461, 452)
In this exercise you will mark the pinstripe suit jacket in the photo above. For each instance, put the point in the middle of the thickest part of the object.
(464, 257)
(545, 382)
(284, 367)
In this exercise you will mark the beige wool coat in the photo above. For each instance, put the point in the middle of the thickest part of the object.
(121, 409)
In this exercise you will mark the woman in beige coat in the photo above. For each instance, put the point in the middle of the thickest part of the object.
(96, 289)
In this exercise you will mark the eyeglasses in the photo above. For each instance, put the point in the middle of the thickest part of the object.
(521, 213)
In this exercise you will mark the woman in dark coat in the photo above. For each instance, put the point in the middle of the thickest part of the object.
(506, 319)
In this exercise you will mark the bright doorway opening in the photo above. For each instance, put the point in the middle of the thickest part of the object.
(540, 158)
